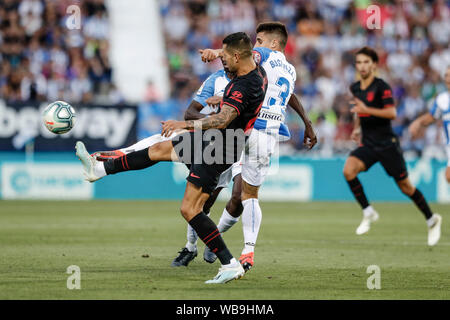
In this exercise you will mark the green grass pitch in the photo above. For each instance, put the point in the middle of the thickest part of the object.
(304, 251)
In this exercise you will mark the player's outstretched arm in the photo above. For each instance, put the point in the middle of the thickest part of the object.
(310, 138)
(193, 111)
(389, 112)
(209, 55)
(416, 127)
(218, 121)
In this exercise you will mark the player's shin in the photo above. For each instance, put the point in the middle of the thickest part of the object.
(207, 230)
(418, 198)
(192, 237)
(358, 191)
(133, 161)
(251, 222)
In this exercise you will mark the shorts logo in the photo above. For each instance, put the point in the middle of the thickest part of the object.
(194, 176)
(370, 96)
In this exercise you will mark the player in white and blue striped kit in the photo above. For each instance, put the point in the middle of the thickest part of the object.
(439, 110)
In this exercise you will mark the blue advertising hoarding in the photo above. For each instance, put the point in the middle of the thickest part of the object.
(58, 175)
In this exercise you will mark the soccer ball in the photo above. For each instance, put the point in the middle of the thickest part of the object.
(59, 117)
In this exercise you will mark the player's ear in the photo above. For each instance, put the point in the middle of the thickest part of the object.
(274, 43)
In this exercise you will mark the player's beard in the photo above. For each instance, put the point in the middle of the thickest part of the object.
(366, 75)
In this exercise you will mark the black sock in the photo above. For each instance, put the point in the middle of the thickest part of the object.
(358, 192)
(133, 161)
(421, 203)
(207, 231)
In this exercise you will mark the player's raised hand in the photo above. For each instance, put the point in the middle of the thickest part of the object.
(209, 54)
(170, 126)
(214, 100)
(310, 138)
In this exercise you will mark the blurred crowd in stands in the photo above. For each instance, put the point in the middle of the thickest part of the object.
(42, 59)
(413, 45)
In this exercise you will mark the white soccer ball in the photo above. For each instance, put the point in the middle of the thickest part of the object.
(59, 117)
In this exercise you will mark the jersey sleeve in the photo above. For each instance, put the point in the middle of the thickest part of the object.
(386, 95)
(435, 111)
(234, 97)
(206, 90)
(261, 54)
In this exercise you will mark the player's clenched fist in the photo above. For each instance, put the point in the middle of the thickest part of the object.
(209, 54)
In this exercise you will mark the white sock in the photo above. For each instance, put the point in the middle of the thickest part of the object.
(233, 263)
(192, 237)
(368, 211)
(226, 221)
(431, 221)
(99, 169)
(251, 222)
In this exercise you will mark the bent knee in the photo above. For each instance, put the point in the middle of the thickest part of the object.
(350, 173)
(407, 188)
(187, 212)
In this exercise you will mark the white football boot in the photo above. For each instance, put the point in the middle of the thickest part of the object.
(364, 226)
(87, 161)
(434, 231)
(229, 272)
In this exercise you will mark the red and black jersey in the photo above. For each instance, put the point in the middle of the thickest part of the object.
(376, 132)
(246, 94)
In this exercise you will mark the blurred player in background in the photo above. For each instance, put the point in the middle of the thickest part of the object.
(374, 108)
(269, 128)
(439, 110)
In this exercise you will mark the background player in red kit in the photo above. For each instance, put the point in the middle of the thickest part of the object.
(375, 108)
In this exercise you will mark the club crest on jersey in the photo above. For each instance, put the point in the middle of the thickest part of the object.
(370, 95)
(237, 94)
(257, 57)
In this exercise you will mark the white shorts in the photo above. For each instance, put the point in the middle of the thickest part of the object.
(148, 142)
(229, 174)
(259, 148)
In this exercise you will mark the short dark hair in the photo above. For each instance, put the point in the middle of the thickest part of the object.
(368, 52)
(239, 41)
(276, 28)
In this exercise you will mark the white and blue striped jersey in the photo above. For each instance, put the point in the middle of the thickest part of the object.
(281, 76)
(214, 85)
(441, 110)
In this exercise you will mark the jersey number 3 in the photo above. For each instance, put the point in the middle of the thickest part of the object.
(284, 85)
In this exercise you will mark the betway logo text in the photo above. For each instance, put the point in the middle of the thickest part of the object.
(112, 125)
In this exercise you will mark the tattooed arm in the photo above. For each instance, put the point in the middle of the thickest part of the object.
(218, 121)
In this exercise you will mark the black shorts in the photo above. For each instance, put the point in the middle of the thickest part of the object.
(202, 175)
(391, 158)
(206, 176)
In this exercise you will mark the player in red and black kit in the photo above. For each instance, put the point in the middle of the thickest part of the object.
(239, 108)
(375, 108)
